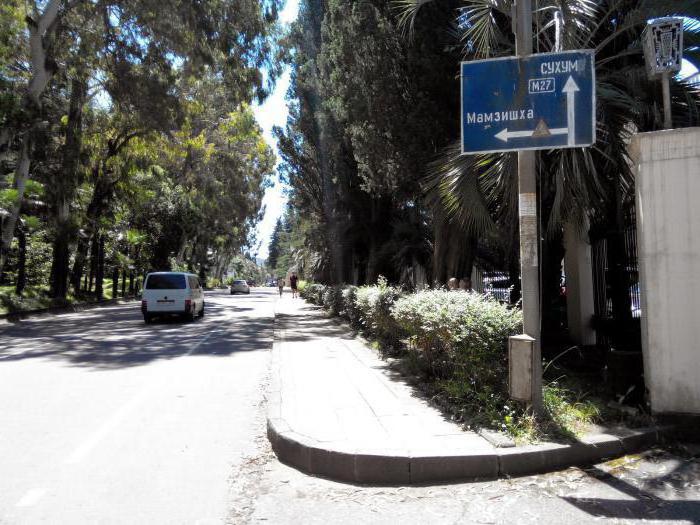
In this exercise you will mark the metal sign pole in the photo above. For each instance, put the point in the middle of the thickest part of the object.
(666, 86)
(529, 246)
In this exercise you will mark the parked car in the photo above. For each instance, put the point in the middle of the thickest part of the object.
(240, 286)
(172, 293)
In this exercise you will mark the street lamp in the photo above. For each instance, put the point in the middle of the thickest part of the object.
(663, 51)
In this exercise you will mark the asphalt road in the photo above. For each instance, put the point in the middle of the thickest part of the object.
(104, 419)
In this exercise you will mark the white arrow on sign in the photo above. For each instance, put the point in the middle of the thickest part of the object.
(570, 88)
(505, 135)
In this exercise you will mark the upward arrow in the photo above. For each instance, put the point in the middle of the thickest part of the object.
(570, 88)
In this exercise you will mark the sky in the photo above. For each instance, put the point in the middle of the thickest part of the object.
(273, 112)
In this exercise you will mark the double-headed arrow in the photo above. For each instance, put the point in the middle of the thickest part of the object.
(570, 88)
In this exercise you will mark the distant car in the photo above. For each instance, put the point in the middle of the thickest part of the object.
(240, 286)
(172, 293)
(271, 283)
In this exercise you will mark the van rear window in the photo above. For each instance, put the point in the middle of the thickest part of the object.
(166, 282)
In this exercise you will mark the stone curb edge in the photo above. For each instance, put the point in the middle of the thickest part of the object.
(310, 456)
(56, 310)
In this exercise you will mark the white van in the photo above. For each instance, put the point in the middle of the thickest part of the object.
(172, 293)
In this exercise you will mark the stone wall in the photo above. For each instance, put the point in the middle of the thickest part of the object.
(667, 167)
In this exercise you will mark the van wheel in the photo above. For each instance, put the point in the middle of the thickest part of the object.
(148, 319)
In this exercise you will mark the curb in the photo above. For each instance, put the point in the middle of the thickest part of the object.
(402, 467)
(56, 310)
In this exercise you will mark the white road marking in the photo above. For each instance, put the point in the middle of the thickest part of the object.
(203, 340)
(31, 498)
(87, 446)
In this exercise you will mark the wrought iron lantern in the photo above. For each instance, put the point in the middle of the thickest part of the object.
(663, 50)
(663, 46)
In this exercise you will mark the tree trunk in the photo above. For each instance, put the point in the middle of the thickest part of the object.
(100, 273)
(41, 73)
(115, 282)
(131, 282)
(124, 282)
(81, 254)
(94, 256)
(102, 195)
(61, 253)
(453, 253)
(20, 183)
(21, 262)
(65, 189)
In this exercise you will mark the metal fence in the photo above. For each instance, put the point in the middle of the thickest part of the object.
(602, 274)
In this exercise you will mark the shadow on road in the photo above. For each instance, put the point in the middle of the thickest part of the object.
(117, 337)
(660, 496)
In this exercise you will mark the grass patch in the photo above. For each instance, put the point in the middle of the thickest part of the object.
(38, 297)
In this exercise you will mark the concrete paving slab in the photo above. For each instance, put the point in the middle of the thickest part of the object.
(336, 410)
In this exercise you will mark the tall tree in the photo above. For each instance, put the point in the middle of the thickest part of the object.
(274, 248)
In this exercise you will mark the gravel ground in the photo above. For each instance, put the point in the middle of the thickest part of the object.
(658, 486)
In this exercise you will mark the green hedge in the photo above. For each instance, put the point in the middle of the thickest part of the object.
(373, 305)
(463, 339)
(366, 307)
(456, 342)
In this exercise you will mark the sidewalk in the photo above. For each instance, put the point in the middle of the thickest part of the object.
(337, 410)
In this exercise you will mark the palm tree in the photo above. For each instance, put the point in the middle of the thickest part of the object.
(480, 192)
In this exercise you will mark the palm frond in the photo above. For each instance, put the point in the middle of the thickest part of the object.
(485, 25)
(407, 11)
(452, 187)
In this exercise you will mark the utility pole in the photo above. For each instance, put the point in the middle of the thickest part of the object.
(529, 234)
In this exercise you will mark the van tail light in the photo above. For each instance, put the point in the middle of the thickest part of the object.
(144, 306)
(188, 305)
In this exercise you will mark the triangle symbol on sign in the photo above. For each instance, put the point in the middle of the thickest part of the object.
(541, 130)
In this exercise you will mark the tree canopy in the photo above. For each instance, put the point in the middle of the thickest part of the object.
(127, 137)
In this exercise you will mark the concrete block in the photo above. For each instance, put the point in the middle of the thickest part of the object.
(548, 457)
(530, 459)
(449, 468)
(339, 466)
(382, 469)
(636, 440)
(289, 449)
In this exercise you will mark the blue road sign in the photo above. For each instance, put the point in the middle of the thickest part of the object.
(543, 101)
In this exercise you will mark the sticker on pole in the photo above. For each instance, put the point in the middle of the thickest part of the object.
(544, 101)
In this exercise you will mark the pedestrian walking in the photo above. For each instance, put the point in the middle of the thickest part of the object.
(280, 285)
(293, 284)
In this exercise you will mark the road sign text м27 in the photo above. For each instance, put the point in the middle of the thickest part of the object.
(544, 101)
